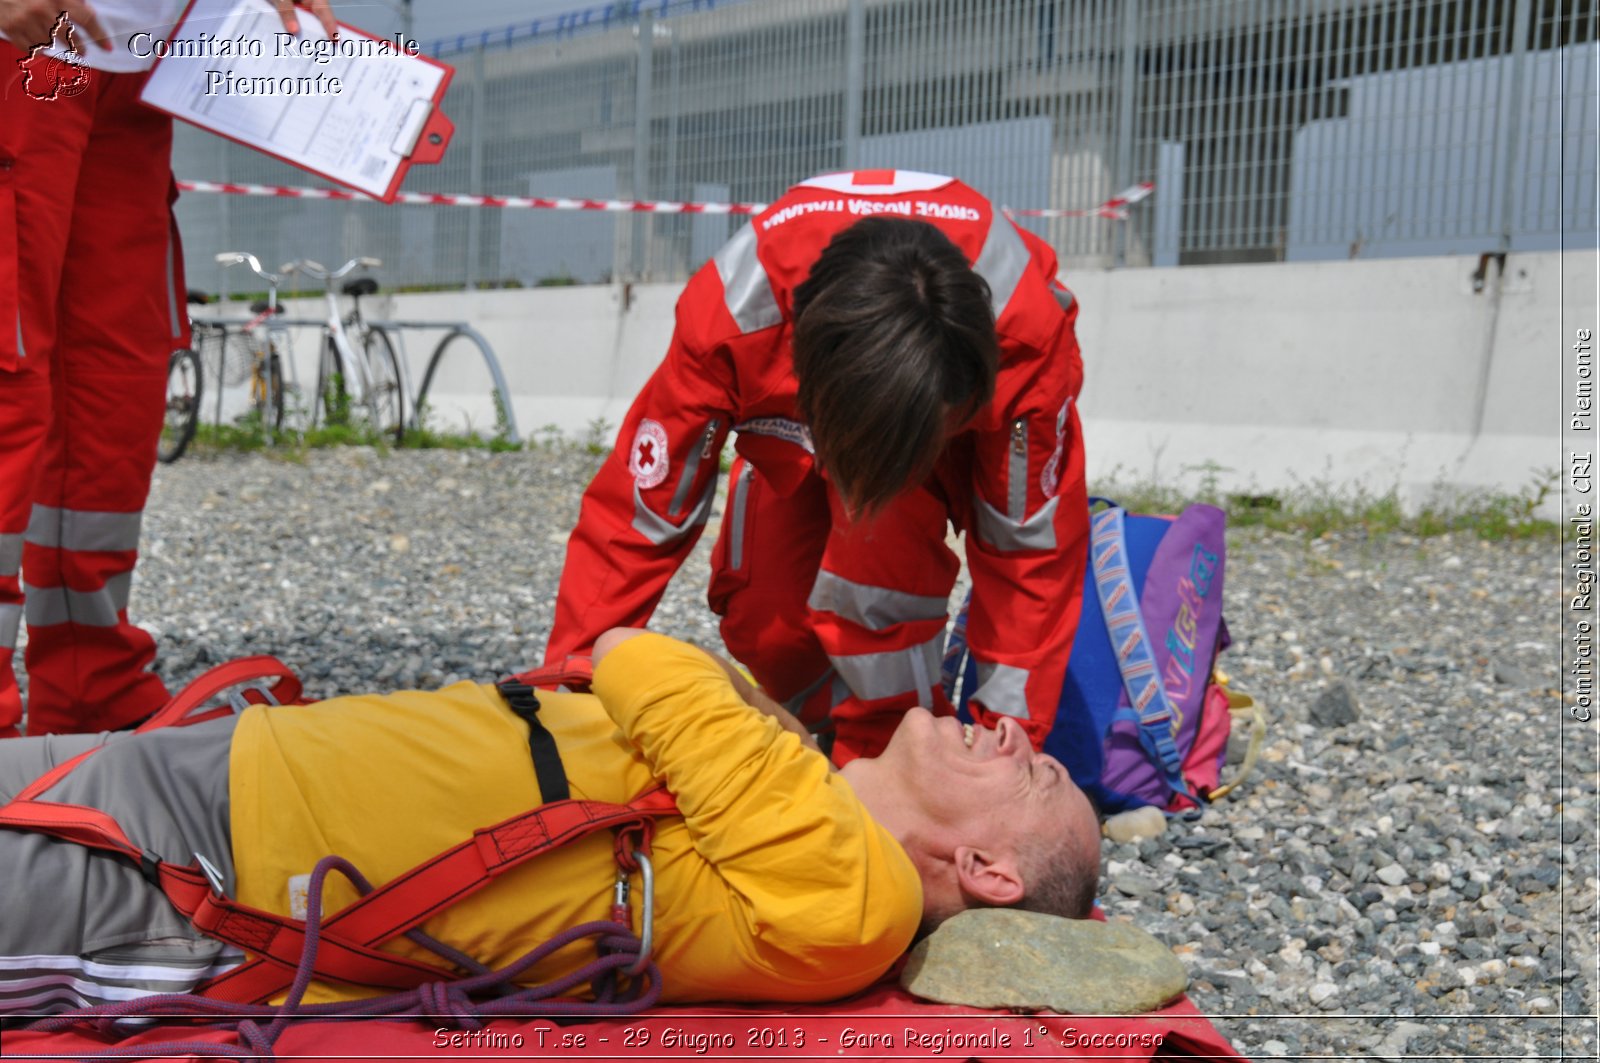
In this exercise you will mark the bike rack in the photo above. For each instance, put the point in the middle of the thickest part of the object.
(457, 330)
(453, 330)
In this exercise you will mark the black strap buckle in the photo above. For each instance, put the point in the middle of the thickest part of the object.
(547, 767)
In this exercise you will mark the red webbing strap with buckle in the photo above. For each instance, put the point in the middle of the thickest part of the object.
(179, 712)
(349, 948)
(214, 681)
(412, 898)
(94, 828)
(349, 942)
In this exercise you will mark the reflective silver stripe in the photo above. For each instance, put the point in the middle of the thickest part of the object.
(20, 352)
(1002, 261)
(1002, 533)
(745, 287)
(44, 606)
(690, 468)
(1003, 689)
(10, 622)
(82, 529)
(780, 428)
(10, 555)
(873, 607)
(884, 675)
(741, 502)
(661, 531)
(1063, 296)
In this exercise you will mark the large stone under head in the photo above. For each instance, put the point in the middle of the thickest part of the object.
(1004, 958)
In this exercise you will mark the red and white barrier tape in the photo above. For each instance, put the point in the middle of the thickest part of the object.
(1114, 208)
(443, 199)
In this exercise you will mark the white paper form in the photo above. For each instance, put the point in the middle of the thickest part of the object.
(349, 109)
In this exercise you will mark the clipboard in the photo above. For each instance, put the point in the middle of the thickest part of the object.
(358, 111)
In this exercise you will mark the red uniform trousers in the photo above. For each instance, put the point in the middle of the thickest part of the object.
(774, 567)
(90, 271)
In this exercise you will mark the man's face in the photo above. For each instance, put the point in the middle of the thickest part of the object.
(987, 782)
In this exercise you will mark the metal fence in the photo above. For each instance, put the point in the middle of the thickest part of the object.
(1273, 129)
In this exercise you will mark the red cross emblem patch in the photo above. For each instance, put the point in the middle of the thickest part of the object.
(647, 459)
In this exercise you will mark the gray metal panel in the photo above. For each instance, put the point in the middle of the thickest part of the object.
(1307, 128)
(553, 247)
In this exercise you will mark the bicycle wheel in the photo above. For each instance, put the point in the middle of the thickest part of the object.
(266, 391)
(182, 415)
(386, 402)
(331, 406)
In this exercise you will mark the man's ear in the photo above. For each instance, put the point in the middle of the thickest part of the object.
(987, 876)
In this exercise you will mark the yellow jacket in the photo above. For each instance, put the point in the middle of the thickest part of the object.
(774, 885)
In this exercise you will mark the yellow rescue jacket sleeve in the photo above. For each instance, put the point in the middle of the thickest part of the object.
(827, 896)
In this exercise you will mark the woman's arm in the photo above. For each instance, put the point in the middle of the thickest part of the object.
(751, 694)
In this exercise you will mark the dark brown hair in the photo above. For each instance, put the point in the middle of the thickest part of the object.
(893, 343)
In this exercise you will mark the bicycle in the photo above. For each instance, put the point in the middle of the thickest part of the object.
(357, 369)
(253, 353)
(185, 382)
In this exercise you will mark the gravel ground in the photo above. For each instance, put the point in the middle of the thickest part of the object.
(1417, 881)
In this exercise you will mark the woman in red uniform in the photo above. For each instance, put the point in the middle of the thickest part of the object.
(897, 358)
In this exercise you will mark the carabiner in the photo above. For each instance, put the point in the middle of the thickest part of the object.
(648, 915)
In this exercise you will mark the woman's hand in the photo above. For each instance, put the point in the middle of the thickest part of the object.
(319, 9)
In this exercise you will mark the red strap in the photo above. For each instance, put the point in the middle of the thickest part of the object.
(177, 712)
(86, 826)
(214, 681)
(350, 939)
(281, 938)
(575, 673)
(411, 899)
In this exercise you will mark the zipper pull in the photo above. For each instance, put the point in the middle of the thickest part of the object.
(1019, 437)
(711, 437)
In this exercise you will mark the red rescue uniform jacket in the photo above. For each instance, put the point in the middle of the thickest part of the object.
(1012, 480)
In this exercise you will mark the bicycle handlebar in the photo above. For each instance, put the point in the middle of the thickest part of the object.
(318, 271)
(234, 258)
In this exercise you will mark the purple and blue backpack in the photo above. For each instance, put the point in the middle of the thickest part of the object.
(1142, 719)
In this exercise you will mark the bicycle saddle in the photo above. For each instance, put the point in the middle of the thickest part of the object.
(260, 307)
(198, 298)
(360, 286)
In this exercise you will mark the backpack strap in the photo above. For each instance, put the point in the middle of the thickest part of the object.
(955, 651)
(1119, 601)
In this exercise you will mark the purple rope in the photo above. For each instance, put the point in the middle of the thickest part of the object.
(450, 1003)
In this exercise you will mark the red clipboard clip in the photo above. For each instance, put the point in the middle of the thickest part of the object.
(435, 138)
(432, 136)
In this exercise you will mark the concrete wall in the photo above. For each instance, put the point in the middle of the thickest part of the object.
(1366, 375)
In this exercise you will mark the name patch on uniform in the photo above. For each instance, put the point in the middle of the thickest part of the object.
(779, 428)
(647, 459)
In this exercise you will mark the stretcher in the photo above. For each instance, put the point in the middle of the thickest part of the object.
(883, 1023)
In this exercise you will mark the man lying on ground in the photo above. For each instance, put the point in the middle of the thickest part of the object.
(781, 880)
